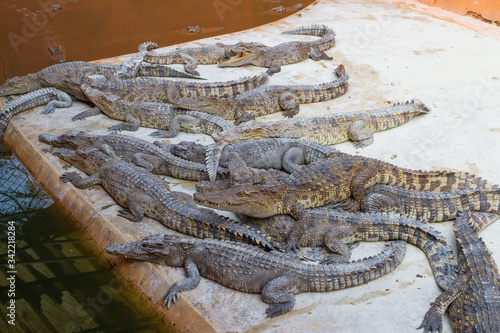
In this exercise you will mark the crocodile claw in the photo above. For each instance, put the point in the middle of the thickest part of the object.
(171, 297)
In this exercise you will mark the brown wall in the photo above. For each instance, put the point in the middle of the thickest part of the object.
(485, 9)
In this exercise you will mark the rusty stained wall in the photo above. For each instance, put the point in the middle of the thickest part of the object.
(483, 9)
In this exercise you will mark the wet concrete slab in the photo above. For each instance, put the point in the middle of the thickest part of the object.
(393, 51)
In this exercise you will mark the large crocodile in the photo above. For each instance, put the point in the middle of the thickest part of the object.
(267, 99)
(280, 154)
(335, 230)
(329, 129)
(144, 194)
(147, 89)
(131, 149)
(284, 53)
(192, 56)
(54, 98)
(322, 182)
(169, 119)
(473, 301)
(246, 268)
(431, 206)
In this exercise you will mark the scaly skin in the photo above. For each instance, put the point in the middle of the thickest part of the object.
(54, 98)
(142, 89)
(329, 129)
(169, 119)
(275, 276)
(279, 154)
(429, 206)
(473, 301)
(130, 149)
(328, 180)
(285, 53)
(191, 57)
(144, 194)
(31, 82)
(335, 230)
(267, 99)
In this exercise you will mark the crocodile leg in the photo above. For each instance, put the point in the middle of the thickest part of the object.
(95, 111)
(189, 283)
(180, 121)
(360, 134)
(433, 318)
(360, 183)
(63, 101)
(146, 161)
(279, 294)
(80, 182)
(191, 64)
(131, 124)
(135, 203)
(288, 102)
(293, 159)
(318, 55)
(336, 240)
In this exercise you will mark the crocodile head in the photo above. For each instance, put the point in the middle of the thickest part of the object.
(252, 199)
(244, 54)
(66, 82)
(249, 130)
(70, 139)
(105, 102)
(219, 106)
(159, 248)
(88, 160)
(21, 85)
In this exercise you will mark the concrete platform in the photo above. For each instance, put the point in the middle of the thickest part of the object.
(393, 51)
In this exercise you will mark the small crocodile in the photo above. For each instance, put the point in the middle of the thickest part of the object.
(144, 194)
(274, 275)
(431, 206)
(329, 129)
(192, 56)
(54, 98)
(335, 230)
(131, 149)
(147, 89)
(284, 53)
(169, 119)
(473, 301)
(331, 179)
(267, 99)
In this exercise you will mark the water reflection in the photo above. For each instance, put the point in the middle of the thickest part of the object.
(42, 33)
(62, 283)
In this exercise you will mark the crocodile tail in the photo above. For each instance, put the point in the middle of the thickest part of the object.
(327, 35)
(212, 157)
(325, 91)
(147, 46)
(163, 71)
(31, 100)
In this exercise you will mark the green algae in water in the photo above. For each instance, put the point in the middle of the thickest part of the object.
(62, 282)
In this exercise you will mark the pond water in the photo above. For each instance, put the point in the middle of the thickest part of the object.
(37, 34)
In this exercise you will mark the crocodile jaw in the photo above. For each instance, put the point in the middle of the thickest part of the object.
(133, 250)
(20, 85)
(70, 139)
(248, 199)
(240, 59)
(249, 130)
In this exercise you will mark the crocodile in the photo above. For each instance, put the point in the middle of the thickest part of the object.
(192, 56)
(473, 299)
(246, 268)
(131, 149)
(431, 206)
(267, 99)
(144, 194)
(54, 98)
(335, 230)
(279, 154)
(331, 179)
(284, 53)
(169, 119)
(329, 129)
(31, 82)
(147, 89)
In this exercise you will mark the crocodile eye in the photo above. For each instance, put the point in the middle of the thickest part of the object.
(241, 194)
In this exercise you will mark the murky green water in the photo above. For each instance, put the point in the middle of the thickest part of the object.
(60, 281)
